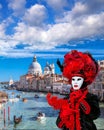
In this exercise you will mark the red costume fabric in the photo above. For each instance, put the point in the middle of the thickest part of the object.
(69, 109)
(80, 64)
(80, 108)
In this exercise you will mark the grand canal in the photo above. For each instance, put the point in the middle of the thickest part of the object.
(29, 110)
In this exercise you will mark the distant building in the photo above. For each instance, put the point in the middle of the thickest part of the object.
(101, 64)
(11, 82)
(35, 80)
(97, 87)
(35, 68)
(49, 69)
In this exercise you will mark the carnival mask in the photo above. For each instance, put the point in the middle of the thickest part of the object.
(77, 82)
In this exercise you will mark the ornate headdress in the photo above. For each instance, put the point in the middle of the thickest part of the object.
(80, 64)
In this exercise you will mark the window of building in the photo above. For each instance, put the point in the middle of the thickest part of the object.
(101, 63)
(102, 86)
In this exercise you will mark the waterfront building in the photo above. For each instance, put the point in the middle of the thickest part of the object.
(47, 83)
(57, 87)
(97, 87)
(61, 87)
(25, 80)
(101, 63)
(34, 80)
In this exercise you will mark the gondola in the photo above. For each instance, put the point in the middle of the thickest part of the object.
(17, 120)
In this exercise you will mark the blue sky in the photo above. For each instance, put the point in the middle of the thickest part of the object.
(47, 29)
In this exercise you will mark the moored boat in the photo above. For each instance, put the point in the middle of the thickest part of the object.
(17, 120)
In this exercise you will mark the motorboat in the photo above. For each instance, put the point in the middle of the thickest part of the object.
(18, 96)
(13, 99)
(36, 96)
(41, 116)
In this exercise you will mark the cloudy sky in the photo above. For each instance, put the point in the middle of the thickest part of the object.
(47, 29)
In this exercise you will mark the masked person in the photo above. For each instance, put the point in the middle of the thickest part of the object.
(77, 110)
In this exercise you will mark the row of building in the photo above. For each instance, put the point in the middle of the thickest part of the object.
(34, 80)
(97, 87)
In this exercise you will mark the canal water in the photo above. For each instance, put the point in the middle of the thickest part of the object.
(29, 110)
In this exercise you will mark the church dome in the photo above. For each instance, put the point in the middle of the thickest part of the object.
(35, 67)
(46, 69)
(49, 69)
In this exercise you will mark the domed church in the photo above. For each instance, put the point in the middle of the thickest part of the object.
(35, 68)
(49, 69)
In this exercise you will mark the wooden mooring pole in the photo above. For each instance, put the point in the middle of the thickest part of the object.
(4, 116)
(8, 113)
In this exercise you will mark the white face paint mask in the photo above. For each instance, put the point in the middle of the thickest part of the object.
(77, 82)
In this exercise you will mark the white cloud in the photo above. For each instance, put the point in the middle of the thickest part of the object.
(94, 6)
(19, 54)
(78, 24)
(35, 15)
(0, 6)
(82, 9)
(3, 26)
(6, 44)
(59, 34)
(27, 34)
(2, 30)
(57, 4)
(18, 6)
(16, 53)
(83, 27)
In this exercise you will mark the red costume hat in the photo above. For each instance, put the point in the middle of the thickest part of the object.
(80, 64)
